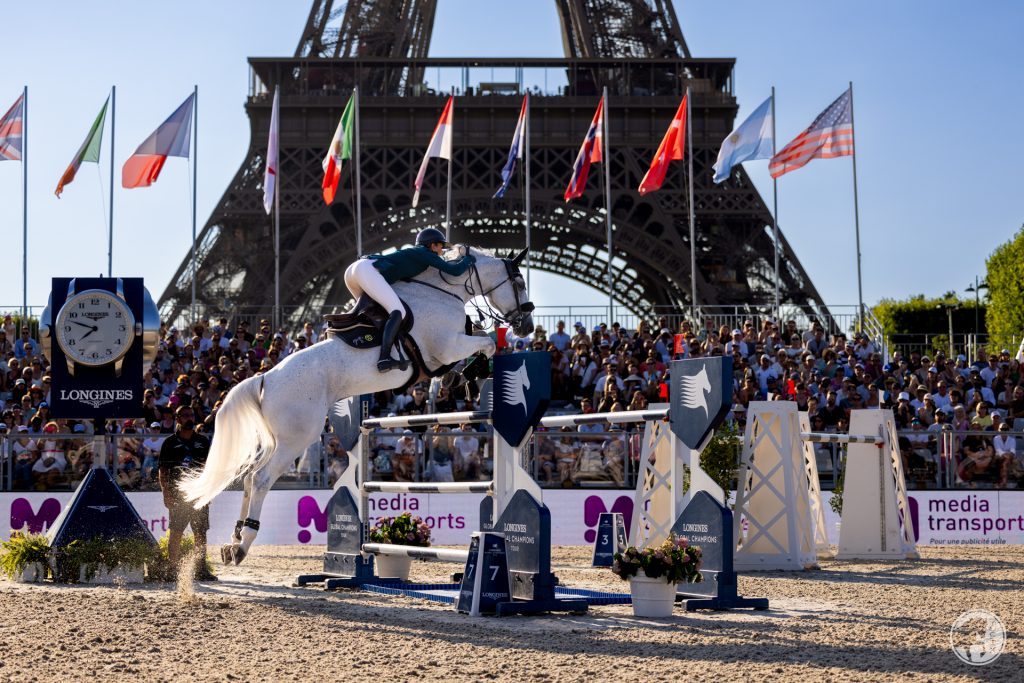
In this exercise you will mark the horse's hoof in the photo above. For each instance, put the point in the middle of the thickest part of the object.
(226, 555)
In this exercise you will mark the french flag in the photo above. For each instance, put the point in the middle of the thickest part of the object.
(171, 139)
(590, 152)
(440, 146)
(515, 152)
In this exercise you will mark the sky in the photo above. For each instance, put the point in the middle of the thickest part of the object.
(937, 91)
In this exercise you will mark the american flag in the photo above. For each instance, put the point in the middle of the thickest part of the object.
(831, 135)
(590, 152)
(10, 131)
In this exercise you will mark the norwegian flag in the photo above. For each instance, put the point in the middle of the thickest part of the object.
(590, 152)
(831, 135)
(10, 131)
(440, 146)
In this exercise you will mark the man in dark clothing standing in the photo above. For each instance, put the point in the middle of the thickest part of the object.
(184, 450)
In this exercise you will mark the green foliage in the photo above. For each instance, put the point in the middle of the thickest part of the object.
(98, 551)
(836, 503)
(1005, 315)
(162, 562)
(720, 457)
(920, 315)
(21, 550)
(675, 560)
(401, 530)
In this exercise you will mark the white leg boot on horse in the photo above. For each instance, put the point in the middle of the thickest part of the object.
(268, 420)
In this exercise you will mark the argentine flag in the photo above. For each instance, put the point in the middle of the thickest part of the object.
(752, 140)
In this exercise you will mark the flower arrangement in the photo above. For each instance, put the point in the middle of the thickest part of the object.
(674, 560)
(401, 530)
(21, 550)
(98, 552)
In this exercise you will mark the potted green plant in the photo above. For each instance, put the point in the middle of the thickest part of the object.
(160, 566)
(24, 557)
(102, 561)
(401, 530)
(654, 572)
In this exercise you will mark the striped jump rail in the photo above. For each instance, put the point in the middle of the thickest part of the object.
(428, 487)
(470, 417)
(823, 437)
(623, 417)
(417, 553)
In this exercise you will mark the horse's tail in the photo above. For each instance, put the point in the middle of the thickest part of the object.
(242, 435)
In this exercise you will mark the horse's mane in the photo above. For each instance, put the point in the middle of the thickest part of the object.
(452, 253)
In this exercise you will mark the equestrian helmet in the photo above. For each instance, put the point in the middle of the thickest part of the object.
(429, 236)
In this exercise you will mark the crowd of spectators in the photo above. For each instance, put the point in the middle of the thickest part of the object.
(948, 409)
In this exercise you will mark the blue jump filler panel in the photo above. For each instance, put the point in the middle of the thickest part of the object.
(709, 525)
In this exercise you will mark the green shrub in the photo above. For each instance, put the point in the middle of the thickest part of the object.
(21, 550)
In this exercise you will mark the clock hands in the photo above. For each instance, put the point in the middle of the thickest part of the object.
(82, 324)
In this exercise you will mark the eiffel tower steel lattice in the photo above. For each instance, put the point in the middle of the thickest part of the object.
(634, 47)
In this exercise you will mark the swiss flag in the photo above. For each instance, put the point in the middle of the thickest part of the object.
(670, 149)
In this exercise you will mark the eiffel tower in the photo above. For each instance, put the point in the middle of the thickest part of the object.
(635, 48)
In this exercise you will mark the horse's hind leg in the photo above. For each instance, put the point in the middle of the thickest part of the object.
(246, 496)
(257, 486)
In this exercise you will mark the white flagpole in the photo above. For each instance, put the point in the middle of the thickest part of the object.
(277, 212)
(24, 208)
(359, 192)
(856, 218)
(195, 185)
(110, 233)
(606, 163)
(526, 185)
(775, 220)
(451, 155)
(693, 239)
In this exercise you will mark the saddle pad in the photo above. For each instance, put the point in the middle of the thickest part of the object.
(359, 335)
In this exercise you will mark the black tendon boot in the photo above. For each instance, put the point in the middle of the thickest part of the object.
(391, 328)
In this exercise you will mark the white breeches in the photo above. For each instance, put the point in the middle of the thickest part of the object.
(362, 277)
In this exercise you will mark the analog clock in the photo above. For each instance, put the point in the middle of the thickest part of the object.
(95, 328)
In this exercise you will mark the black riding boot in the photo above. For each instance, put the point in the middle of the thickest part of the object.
(391, 328)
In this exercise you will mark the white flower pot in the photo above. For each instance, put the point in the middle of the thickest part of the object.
(652, 597)
(393, 566)
(118, 575)
(33, 572)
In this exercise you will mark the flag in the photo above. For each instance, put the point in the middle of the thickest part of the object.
(10, 131)
(515, 151)
(831, 135)
(341, 148)
(590, 152)
(670, 149)
(169, 140)
(753, 139)
(270, 175)
(89, 151)
(440, 146)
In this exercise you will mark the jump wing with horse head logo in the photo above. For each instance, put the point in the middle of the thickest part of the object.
(701, 397)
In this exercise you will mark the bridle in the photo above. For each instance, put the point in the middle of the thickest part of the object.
(487, 315)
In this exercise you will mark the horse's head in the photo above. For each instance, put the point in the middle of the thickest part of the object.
(505, 289)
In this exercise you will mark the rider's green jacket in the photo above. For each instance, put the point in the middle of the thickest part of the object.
(412, 261)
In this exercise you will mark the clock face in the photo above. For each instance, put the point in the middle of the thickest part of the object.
(95, 328)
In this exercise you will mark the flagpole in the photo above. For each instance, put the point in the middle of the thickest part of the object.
(24, 208)
(277, 213)
(693, 239)
(775, 218)
(526, 154)
(606, 159)
(359, 192)
(110, 234)
(448, 207)
(856, 217)
(195, 175)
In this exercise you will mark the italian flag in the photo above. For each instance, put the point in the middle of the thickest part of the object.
(89, 151)
(340, 149)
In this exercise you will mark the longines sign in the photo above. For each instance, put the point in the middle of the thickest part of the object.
(97, 397)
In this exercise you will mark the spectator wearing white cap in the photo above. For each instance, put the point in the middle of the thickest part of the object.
(737, 341)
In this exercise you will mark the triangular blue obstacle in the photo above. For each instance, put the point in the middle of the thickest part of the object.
(98, 508)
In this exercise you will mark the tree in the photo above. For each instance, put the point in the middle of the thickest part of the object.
(1005, 316)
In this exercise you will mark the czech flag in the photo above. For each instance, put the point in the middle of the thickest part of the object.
(440, 146)
(590, 152)
(171, 139)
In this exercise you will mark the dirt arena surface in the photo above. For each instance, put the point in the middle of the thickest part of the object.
(848, 621)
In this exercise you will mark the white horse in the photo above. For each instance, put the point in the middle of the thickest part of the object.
(269, 420)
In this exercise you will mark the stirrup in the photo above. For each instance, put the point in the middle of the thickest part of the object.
(388, 364)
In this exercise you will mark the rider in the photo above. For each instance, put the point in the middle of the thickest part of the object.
(375, 274)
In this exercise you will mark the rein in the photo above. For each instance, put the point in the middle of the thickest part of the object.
(513, 318)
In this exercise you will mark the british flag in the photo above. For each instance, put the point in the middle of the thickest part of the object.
(590, 152)
(831, 135)
(11, 131)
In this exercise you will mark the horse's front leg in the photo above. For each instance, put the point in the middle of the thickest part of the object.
(464, 346)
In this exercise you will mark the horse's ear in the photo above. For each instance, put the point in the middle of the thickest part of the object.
(518, 258)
